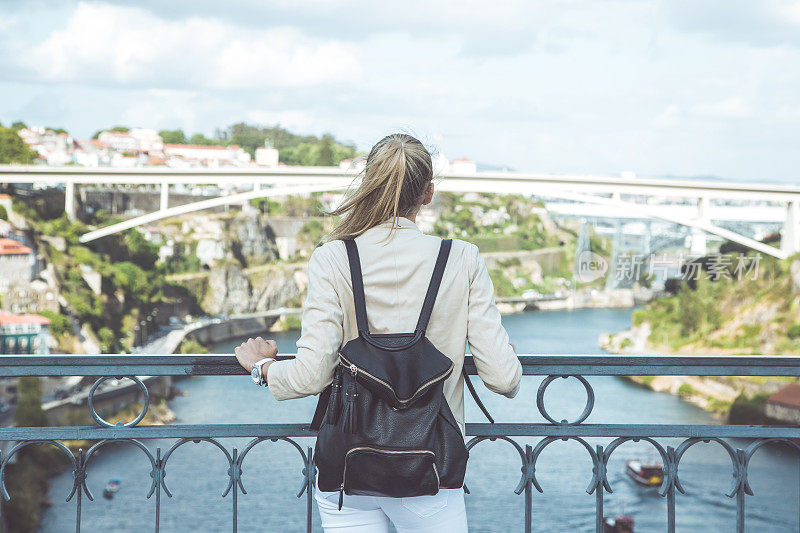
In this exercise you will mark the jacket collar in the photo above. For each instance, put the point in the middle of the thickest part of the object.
(381, 230)
(402, 223)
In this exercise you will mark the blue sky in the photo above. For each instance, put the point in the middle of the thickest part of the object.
(674, 87)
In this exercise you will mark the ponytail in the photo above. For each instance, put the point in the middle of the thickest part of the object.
(393, 184)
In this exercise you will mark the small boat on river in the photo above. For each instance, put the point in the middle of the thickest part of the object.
(645, 474)
(619, 524)
(112, 487)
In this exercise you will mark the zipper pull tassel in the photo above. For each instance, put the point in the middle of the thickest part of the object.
(341, 495)
(350, 424)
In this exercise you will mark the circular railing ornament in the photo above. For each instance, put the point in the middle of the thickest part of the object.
(586, 410)
(133, 422)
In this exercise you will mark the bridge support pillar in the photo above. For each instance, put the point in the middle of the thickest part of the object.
(790, 233)
(69, 201)
(164, 196)
(699, 245)
(247, 205)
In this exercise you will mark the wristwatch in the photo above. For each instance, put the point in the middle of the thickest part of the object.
(255, 373)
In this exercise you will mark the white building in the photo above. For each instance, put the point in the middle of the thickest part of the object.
(207, 155)
(149, 140)
(55, 148)
(463, 165)
(16, 263)
(119, 141)
(267, 156)
(91, 153)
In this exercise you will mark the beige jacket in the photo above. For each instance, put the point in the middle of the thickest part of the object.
(396, 273)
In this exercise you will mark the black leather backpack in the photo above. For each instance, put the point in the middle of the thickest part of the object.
(385, 428)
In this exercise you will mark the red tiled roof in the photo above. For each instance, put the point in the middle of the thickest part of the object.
(5, 197)
(12, 247)
(7, 319)
(462, 160)
(788, 396)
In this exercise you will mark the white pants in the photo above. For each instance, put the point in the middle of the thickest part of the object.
(443, 512)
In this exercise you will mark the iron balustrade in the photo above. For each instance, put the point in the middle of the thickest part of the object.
(551, 366)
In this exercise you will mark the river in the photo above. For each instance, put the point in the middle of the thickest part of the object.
(197, 473)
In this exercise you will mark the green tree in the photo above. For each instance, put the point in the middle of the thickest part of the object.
(143, 253)
(294, 149)
(173, 136)
(325, 156)
(18, 125)
(199, 138)
(106, 337)
(3, 213)
(59, 324)
(13, 149)
(131, 278)
(29, 411)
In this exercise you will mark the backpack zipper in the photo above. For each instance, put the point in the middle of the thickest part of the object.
(378, 450)
(354, 370)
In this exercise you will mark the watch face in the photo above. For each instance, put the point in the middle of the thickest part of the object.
(255, 373)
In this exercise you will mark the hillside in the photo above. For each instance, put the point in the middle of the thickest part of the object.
(724, 313)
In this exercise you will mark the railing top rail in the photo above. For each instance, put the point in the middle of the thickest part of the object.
(535, 365)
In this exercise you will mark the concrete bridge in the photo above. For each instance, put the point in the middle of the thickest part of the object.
(605, 192)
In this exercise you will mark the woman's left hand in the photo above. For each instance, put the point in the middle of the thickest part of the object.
(253, 350)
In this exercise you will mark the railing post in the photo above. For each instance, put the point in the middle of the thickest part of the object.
(310, 472)
(600, 475)
(741, 487)
(79, 476)
(528, 489)
(159, 472)
(672, 471)
(235, 479)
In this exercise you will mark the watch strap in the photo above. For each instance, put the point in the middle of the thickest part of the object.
(258, 364)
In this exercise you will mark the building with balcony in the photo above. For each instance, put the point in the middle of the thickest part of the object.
(23, 334)
(32, 297)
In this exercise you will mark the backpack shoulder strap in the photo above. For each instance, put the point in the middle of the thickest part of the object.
(358, 286)
(433, 287)
(474, 394)
(322, 407)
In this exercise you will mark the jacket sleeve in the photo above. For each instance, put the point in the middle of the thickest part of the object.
(321, 336)
(497, 363)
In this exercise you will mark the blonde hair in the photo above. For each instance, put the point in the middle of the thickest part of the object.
(393, 184)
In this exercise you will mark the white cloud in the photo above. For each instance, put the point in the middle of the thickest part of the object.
(109, 44)
(733, 107)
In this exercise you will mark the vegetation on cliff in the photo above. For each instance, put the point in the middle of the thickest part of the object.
(124, 268)
(721, 312)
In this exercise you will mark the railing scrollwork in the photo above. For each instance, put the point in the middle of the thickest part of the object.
(518, 436)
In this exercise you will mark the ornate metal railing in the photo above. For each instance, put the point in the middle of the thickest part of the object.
(550, 366)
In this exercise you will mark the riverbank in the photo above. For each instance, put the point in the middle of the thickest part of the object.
(734, 399)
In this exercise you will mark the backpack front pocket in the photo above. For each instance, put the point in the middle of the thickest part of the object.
(385, 472)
